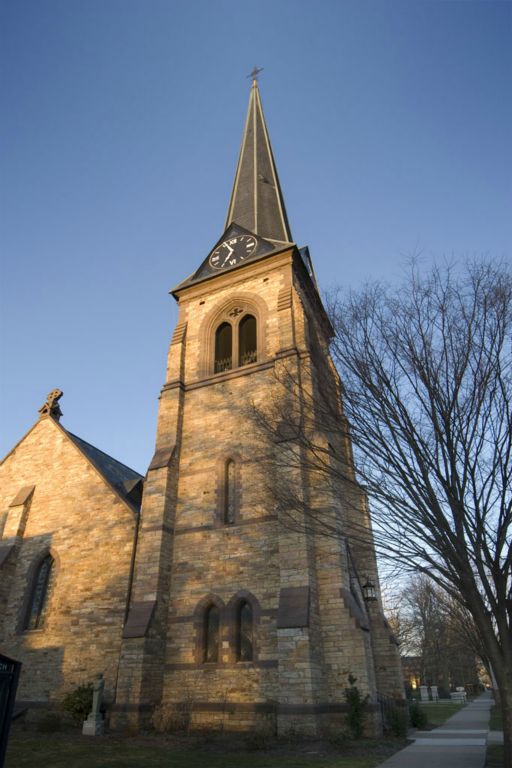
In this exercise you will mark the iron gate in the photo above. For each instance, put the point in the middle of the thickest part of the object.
(9, 674)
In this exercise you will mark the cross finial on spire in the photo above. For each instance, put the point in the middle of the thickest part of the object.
(51, 407)
(255, 72)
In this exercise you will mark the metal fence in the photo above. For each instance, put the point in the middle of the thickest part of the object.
(9, 675)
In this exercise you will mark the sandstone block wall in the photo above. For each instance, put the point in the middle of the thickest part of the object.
(89, 532)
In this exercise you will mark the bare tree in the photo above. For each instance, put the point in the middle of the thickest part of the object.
(425, 400)
(437, 633)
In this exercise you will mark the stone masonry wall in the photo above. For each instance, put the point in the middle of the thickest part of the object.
(89, 531)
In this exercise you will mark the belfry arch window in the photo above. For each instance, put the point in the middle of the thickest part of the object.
(245, 632)
(236, 345)
(40, 592)
(247, 345)
(211, 634)
(229, 492)
(223, 347)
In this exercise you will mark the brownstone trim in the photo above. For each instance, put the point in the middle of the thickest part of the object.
(294, 607)
(200, 630)
(232, 706)
(30, 577)
(221, 490)
(259, 664)
(173, 384)
(260, 519)
(22, 496)
(245, 370)
(179, 333)
(5, 551)
(284, 299)
(248, 521)
(251, 304)
(263, 612)
(232, 620)
(354, 609)
(151, 528)
(139, 618)
(193, 529)
(162, 457)
(131, 707)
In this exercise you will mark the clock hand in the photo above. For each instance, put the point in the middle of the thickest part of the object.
(231, 250)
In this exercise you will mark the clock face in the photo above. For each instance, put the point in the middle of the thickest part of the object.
(233, 251)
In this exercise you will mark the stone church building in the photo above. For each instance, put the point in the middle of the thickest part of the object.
(186, 588)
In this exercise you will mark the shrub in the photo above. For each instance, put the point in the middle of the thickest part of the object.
(49, 723)
(257, 740)
(417, 716)
(397, 722)
(357, 705)
(171, 717)
(78, 703)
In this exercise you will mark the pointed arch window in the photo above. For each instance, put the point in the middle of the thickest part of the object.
(236, 344)
(229, 493)
(223, 347)
(211, 634)
(245, 632)
(41, 588)
(247, 341)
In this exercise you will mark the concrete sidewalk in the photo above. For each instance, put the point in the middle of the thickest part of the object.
(460, 743)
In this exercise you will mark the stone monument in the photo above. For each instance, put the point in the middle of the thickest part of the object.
(94, 725)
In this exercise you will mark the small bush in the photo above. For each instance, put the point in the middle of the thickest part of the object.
(397, 722)
(78, 703)
(257, 740)
(417, 716)
(356, 708)
(49, 723)
(173, 717)
(338, 738)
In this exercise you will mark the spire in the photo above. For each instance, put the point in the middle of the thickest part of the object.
(256, 200)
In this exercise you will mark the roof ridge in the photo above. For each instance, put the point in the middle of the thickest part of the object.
(121, 464)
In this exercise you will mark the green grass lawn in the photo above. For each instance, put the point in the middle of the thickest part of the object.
(494, 757)
(496, 723)
(72, 750)
(439, 712)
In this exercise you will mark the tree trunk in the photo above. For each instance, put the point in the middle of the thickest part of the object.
(504, 696)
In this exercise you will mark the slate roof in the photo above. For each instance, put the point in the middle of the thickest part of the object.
(126, 481)
(257, 202)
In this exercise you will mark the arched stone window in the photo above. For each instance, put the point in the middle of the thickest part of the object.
(40, 592)
(223, 348)
(211, 634)
(247, 341)
(229, 493)
(245, 632)
(236, 342)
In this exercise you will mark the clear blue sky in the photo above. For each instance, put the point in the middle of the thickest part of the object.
(391, 124)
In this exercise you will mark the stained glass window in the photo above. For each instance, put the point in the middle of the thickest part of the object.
(245, 632)
(229, 493)
(40, 591)
(247, 340)
(211, 632)
(223, 348)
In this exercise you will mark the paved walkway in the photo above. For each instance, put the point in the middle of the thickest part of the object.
(460, 742)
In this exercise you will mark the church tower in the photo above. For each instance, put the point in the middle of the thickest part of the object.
(237, 619)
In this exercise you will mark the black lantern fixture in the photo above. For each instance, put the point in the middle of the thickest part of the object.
(369, 591)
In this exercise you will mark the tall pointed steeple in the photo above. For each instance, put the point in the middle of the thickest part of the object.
(256, 200)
